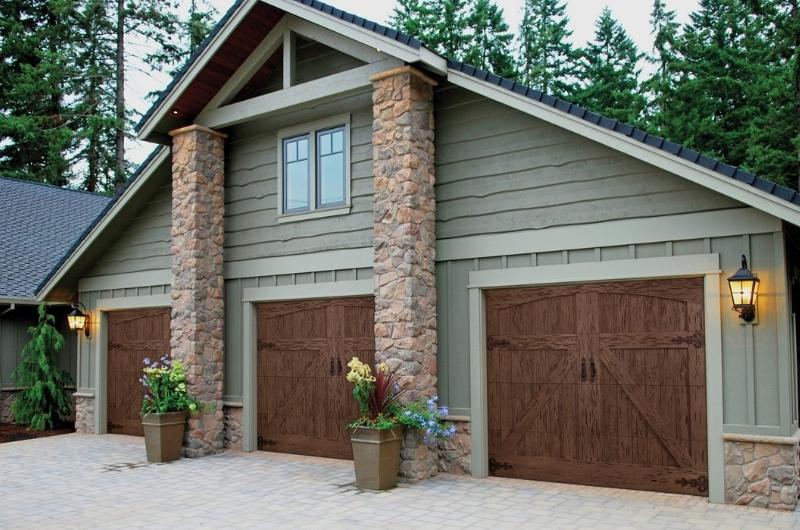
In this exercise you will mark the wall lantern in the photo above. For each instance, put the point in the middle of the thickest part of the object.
(744, 291)
(77, 319)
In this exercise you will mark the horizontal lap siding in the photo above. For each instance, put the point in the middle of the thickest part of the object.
(251, 199)
(499, 170)
(145, 244)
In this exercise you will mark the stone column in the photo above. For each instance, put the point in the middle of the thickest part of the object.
(198, 311)
(405, 242)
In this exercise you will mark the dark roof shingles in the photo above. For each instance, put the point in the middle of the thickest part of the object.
(39, 224)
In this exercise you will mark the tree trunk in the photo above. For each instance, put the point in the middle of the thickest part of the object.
(119, 155)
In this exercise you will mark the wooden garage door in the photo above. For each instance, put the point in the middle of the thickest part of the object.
(132, 336)
(304, 402)
(599, 384)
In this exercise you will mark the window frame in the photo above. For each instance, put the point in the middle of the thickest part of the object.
(312, 131)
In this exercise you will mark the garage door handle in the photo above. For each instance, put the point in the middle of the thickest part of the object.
(333, 366)
(583, 370)
(340, 366)
(594, 371)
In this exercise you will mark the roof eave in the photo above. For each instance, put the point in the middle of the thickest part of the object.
(416, 54)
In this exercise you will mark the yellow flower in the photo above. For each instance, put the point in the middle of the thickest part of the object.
(358, 371)
(383, 368)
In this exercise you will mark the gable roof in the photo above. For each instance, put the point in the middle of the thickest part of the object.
(349, 21)
(39, 224)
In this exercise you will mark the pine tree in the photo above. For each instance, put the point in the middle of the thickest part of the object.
(609, 73)
(546, 55)
(490, 42)
(35, 128)
(43, 401)
(441, 25)
(660, 86)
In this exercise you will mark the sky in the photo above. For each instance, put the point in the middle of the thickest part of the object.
(634, 15)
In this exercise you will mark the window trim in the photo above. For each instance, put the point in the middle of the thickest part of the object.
(311, 130)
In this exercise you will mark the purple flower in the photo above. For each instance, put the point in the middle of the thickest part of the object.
(444, 411)
(147, 361)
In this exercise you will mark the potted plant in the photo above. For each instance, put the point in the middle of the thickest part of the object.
(164, 408)
(378, 433)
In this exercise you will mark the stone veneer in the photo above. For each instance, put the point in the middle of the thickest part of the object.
(405, 242)
(455, 454)
(6, 400)
(84, 413)
(198, 308)
(762, 472)
(233, 427)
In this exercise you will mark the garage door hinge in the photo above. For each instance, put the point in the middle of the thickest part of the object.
(701, 483)
(697, 340)
(491, 342)
(494, 465)
(262, 442)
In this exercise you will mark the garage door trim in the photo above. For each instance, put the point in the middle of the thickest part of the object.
(705, 265)
(100, 338)
(251, 297)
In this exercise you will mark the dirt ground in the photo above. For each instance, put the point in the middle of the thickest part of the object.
(14, 433)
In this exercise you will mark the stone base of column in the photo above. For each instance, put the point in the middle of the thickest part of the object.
(763, 473)
(417, 460)
(233, 428)
(84, 414)
(6, 400)
(455, 454)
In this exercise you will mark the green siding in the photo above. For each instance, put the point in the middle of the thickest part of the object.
(14, 335)
(251, 201)
(499, 170)
(145, 244)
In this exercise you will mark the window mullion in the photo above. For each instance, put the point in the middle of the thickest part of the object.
(312, 170)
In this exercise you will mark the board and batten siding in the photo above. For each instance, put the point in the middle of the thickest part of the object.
(14, 335)
(499, 170)
(88, 346)
(252, 230)
(234, 291)
(145, 244)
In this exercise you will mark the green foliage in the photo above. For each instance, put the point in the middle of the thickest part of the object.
(547, 59)
(43, 401)
(609, 73)
(36, 129)
(490, 43)
(166, 388)
(378, 398)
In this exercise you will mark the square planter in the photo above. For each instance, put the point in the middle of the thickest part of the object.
(376, 457)
(163, 436)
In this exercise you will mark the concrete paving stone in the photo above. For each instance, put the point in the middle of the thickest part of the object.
(79, 481)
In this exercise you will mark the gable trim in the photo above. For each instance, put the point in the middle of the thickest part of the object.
(183, 79)
(137, 183)
(692, 171)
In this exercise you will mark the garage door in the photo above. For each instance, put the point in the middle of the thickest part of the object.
(132, 336)
(599, 384)
(304, 402)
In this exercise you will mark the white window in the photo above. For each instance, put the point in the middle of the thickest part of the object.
(314, 167)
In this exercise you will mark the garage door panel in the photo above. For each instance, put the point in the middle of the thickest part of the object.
(629, 392)
(304, 349)
(132, 336)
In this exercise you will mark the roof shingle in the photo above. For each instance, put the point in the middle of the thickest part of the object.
(39, 224)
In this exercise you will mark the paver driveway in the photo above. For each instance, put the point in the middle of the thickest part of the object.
(76, 481)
